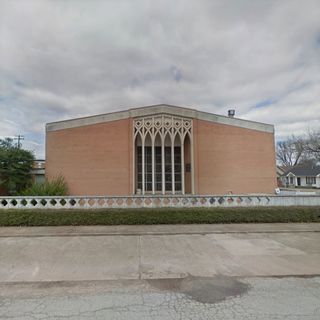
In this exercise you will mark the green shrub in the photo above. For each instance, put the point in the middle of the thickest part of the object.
(148, 216)
(54, 187)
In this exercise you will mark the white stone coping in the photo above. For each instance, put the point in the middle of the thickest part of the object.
(159, 109)
(154, 201)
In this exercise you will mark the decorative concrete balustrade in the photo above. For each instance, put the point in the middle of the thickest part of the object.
(101, 202)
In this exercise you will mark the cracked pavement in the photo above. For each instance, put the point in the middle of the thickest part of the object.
(187, 272)
(265, 298)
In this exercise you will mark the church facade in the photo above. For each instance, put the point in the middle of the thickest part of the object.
(161, 149)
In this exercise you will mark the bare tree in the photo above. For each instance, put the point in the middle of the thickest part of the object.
(300, 150)
(291, 152)
(313, 145)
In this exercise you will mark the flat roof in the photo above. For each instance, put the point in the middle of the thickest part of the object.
(159, 109)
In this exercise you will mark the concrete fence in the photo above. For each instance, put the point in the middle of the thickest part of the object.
(102, 202)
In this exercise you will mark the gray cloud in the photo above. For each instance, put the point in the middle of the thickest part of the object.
(62, 59)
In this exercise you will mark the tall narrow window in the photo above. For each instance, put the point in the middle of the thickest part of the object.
(158, 169)
(148, 168)
(177, 168)
(164, 153)
(168, 168)
(139, 167)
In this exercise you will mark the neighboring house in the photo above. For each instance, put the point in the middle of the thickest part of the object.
(38, 171)
(303, 176)
(281, 170)
(161, 149)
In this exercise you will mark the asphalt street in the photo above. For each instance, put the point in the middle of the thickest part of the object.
(191, 298)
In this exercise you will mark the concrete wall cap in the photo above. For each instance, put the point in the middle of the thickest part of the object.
(159, 109)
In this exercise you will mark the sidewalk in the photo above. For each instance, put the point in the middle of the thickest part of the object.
(128, 230)
(159, 251)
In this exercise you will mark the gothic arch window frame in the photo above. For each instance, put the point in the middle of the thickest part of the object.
(162, 125)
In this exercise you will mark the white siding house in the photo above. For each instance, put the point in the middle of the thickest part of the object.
(303, 176)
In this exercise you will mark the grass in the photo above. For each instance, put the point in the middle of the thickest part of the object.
(52, 217)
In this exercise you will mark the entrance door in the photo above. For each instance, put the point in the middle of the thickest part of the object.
(299, 181)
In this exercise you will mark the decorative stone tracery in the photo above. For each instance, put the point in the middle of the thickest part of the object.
(163, 131)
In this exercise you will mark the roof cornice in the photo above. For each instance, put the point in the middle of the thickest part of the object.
(159, 109)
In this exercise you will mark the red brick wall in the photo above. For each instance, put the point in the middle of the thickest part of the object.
(94, 159)
(229, 158)
(97, 159)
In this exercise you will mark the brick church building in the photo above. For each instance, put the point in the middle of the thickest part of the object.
(161, 149)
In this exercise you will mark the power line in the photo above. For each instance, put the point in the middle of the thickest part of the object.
(19, 137)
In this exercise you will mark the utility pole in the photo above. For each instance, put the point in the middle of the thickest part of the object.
(19, 137)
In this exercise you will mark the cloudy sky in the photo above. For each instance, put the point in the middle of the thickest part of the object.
(65, 59)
